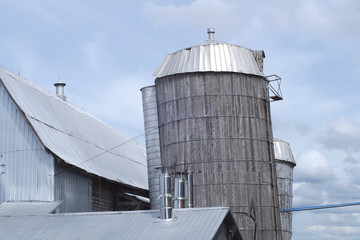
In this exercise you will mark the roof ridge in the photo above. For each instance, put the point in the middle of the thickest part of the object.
(83, 138)
(52, 95)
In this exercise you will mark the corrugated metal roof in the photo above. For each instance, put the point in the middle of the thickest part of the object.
(283, 151)
(196, 223)
(28, 208)
(210, 56)
(140, 198)
(77, 137)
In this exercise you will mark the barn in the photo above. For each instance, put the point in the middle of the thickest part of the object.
(51, 150)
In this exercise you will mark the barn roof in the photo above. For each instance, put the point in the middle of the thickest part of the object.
(190, 223)
(75, 136)
(28, 208)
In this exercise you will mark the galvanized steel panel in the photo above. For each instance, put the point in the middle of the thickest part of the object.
(283, 151)
(28, 208)
(76, 137)
(151, 125)
(200, 224)
(211, 56)
(74, 188)
(26, 168)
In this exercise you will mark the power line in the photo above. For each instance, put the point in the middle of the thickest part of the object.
(319, 207)
(106, 151)
(88, 142)
(23, 150)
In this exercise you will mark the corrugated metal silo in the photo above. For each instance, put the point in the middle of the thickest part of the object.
(214, 118)
(285, 164)
(152, 144)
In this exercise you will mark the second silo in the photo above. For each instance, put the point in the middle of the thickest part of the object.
(285, 164)
(214, 118)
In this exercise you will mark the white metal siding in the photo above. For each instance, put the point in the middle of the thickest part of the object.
(26, 168)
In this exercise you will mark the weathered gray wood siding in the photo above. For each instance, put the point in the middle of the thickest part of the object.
(284, 171)
(103, 195)
(109, 196)
(218, 126)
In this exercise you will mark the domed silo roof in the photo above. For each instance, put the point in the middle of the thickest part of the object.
(212, 56)
(283, 151)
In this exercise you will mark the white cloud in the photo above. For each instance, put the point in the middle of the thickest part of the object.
(335, 223)
(25, 59)
(306, 19)
(93, 50)
(335, 232)
(351, 160)
(36, 9)
(312, 166)
(196, 13)
(341, 134)
(118, 102)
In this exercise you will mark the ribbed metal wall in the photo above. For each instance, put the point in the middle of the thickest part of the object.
(152, 144)
(26, 168)
(73, 188)
(285, 164)
(218, 126)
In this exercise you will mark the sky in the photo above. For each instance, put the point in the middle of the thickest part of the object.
(106, 51)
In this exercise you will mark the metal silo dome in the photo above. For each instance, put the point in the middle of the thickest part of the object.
(213, 110)
(212, 56)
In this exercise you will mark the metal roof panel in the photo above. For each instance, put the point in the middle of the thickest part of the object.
(77, 137)
(210, 56)
(283, 151)
(195, 223)
(28, 208)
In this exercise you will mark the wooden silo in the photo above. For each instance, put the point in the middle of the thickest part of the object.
(214, 117)
(285, 164)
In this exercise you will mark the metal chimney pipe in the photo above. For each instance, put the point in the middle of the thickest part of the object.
(211, 32)
(190, 193)
(181, 198)
(165, 197)
(176, 193)
(60, 89)
(152, 138)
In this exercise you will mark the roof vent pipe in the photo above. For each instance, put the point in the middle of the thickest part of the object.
(165, 196)
(60, 89)
(211, 32)
(190, 191)
(176, 193)
(181, 198)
